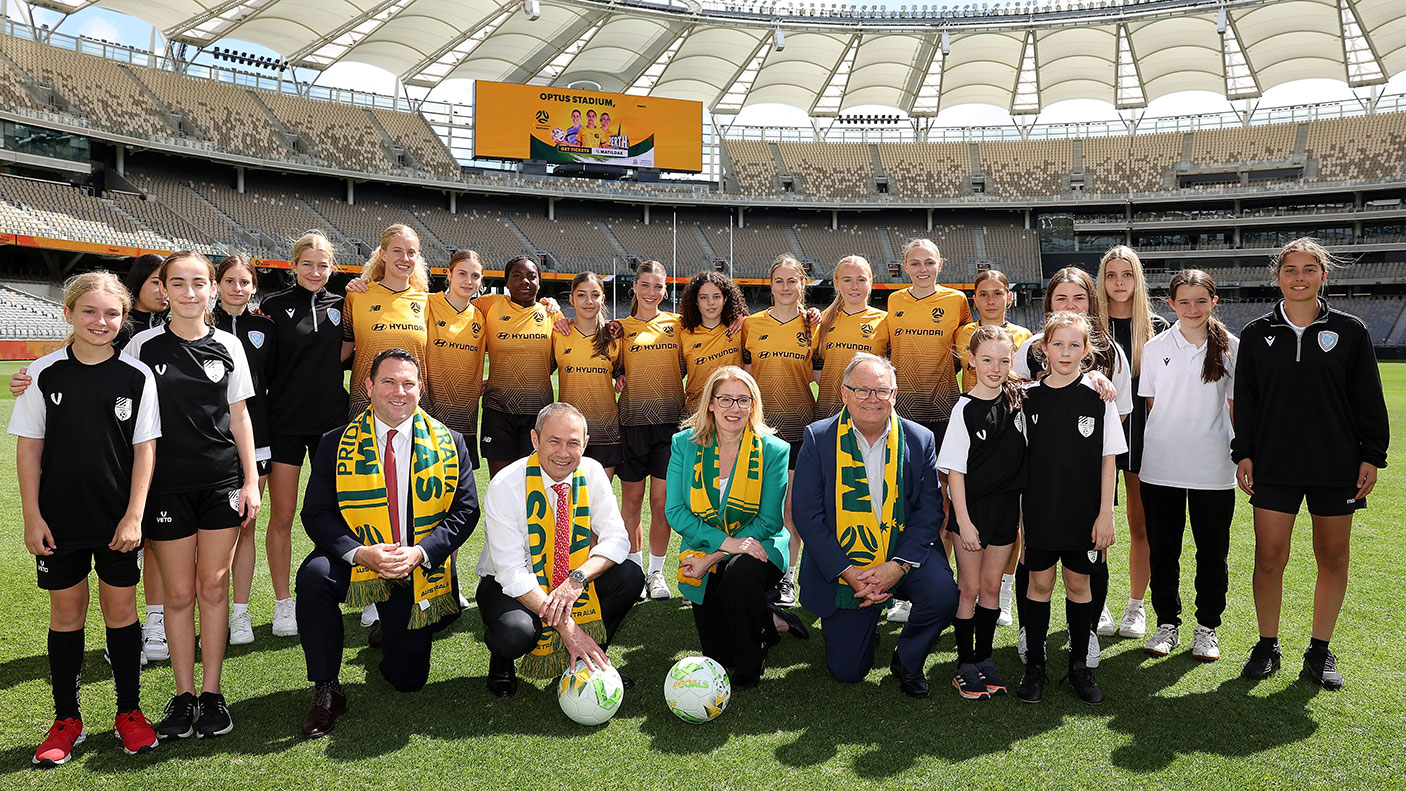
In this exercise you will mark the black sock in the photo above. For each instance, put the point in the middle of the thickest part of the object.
(1098, 588)
(1035, 617)
(124, 649)
(1267, 642)
(985, 632)
(65, 670)
(965, 629)
(1314, 644)
(1022, 587)
(1081, 618)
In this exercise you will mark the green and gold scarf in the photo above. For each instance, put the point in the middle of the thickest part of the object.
(744, 496)
(867, 541)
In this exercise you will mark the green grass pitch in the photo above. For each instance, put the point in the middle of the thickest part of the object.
(1167, 723)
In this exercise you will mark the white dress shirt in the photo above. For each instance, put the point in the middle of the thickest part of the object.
(874, 471)
(506, 556)
(404, 452)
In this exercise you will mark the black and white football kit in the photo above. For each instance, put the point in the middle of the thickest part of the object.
(306, 396)
(260, 342)
(985, 443)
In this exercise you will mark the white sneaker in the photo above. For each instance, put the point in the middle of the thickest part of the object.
(786, 590)
(1106, 626)
(1091, 661)
(1134, 622)
(1020, 645)
(241, 629)
(898, 612)
(1204, 645)
(1163, 641)
(463, 602)
(285, 617)
(154, 638)
(657, 587)
(369, 616)
(1007, 596)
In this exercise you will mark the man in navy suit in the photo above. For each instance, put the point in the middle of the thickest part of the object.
(913, 570)
(324, 577)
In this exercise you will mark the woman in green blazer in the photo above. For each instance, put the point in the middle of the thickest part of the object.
(726, 485)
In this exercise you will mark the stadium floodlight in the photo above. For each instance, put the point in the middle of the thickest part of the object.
(946, 43)
(532, 9)
(778, 39)
(1221, 21)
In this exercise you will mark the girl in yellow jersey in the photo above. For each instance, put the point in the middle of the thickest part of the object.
(923, 321)
(519, 344)
(992, 297)
(390, 313)
(849, 326)
(586, 360)
(454, 355)
(651, 406)
(778, 346)
(709, 308)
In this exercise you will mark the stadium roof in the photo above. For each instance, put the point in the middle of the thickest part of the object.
(822, 60)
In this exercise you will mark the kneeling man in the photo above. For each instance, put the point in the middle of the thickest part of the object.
(546, 595)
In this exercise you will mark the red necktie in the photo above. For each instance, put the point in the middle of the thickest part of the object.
(392, 490)
(561, 549)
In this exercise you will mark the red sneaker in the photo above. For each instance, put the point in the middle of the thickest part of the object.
(57, 747)
(135, 732)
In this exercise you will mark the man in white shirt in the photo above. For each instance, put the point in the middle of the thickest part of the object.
(393, 555)
(514, 602)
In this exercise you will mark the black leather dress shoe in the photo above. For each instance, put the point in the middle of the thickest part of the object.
(914, 685)
(794, 626)
(502, 677)
(626, 681)
(327, 705)
(375, 637)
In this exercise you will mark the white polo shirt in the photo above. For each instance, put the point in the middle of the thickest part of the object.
(1187, 440)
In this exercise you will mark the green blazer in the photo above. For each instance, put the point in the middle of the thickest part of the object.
(767, 526)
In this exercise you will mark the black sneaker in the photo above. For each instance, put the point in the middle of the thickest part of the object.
(214, 716)
(1032, 684)
(969, 684)
(179, 720)
(1264, 660)
(993, 682)
(1081, 679)
(1321, 667)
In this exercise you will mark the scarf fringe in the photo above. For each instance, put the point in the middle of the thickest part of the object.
(551, 665)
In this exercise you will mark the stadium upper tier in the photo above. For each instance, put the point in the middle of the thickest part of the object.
(130, 97)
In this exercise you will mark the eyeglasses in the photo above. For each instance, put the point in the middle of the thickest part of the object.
(728, 402)
(881, 393)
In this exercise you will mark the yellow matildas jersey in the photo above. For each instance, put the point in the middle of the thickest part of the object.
(964, 338)
(377, 320)
(587, 381)
(847, 335)
(921, 336)
(454, 365)
(780, 356)
(705, 351)
(654, 371)
(519, 345)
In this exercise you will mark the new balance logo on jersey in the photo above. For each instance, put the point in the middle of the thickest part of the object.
(1327, 340)
(160, 370)
(505, 318)
(123, 408)
(899, 314)
(234, 500)
(1086, 426)
(764, 337)
(375, 308)
(1269, 340)
(441, 323)
(257, 339)
(57, 398)
(214, 370)
(334, 316)
(164, 518)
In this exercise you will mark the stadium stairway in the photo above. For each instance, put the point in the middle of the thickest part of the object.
(362, 246)
(176, 122)
(285, 134)
(1397, 336)
(795, 242)
(613, 239)
(527, 243)
(703, 241)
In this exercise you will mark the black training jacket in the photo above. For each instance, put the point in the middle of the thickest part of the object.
(306, 396)
(256, 334)
(1308, 409)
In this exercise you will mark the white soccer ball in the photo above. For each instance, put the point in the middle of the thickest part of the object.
(590, 697)
(697, 689)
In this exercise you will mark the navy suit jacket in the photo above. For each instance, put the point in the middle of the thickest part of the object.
(813, 509)
(330, 532)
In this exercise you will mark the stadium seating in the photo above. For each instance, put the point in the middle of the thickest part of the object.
(1238, 146)
(1026, 167)
(926, 169)
(753, 166)
(1129, 164)
(1370, 147)
(830, 170)
(410, 131)
(340, 134)
(50, 209)
(224, 114)
(27, 317)
(96, 88)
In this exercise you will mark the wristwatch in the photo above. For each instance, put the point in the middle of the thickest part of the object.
(905, 566)
(577, 575)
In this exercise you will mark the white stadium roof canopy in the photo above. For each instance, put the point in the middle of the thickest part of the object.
(821, 59)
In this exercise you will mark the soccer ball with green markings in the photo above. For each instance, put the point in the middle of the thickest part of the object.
(697, 689)
(590, 697)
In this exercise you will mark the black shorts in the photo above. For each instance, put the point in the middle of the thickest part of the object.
(795, 454)
(608, 455)
(505, 436)
(174, 515)
(471, 443)
(1078, 561)
(997, 519)
(938, 429)
(1322, 500)
(291, 448)
(68, 567)
(646, 451)
(263, 467)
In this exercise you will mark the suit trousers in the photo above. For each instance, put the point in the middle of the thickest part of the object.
(734, 622)
(510, 630)
(852, 636)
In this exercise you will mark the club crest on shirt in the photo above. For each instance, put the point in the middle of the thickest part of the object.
(415, 308)
(866, 329)
(234, 500)
(333, 315)
(123, 408)
(257, 339)
(938, 313)
(1093, 556)
(1086, 426)
(1327, 339)
(1020, 422)
(214, 370)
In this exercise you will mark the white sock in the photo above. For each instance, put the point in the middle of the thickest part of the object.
(280, 601)
(637, 557)
(1135, 603)
(1007, 582)
(239, 609)
(656, 563)
(156, 609)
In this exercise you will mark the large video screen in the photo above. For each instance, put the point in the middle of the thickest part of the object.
(564, 125)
